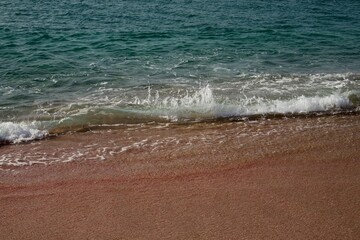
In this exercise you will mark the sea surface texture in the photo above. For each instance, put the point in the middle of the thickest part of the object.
(69, 65)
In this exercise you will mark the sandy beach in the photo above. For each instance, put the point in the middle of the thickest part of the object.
(295, 178)
(159, 119)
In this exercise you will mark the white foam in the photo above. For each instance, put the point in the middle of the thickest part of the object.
(203, 103)
(301, 104)
(202, 96)
(248, 94)
(19, 132)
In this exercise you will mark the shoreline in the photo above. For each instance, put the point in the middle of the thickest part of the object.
(273, 179)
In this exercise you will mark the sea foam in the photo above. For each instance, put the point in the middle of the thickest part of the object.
(20, 132)
(301, 104)
(204, 103)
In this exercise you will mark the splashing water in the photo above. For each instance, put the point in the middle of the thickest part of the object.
(20, 132)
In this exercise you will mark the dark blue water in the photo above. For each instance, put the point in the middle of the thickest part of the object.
(106, 62)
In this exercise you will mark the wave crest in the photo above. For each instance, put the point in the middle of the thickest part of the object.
(203, 103)
(19, 132)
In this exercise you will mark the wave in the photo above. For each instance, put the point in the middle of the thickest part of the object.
(175, 105)
(299, 105)
(204, 104)
(20, 132)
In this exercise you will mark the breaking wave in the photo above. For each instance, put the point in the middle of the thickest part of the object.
(204, 104)
(19, 132)
(171, 105)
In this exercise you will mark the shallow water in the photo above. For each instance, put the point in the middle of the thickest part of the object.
(76, 64)
(159, 145)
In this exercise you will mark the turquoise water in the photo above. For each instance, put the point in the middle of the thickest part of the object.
(72, 63)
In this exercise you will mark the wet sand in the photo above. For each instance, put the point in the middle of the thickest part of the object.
(270, 179)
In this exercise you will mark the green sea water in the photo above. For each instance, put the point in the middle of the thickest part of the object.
(70, 63)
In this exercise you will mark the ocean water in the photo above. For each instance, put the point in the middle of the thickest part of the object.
(69, 65)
